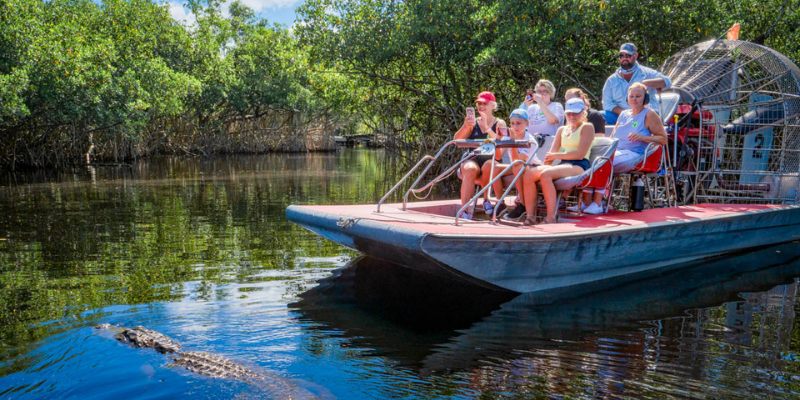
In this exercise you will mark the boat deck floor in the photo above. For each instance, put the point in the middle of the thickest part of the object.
(436, 217)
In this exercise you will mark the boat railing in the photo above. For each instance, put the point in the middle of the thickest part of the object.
(477, 147)
(431, 160)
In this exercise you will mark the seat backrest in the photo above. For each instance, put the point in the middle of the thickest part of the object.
(602, 146)
(668, 104)
(545, 147)
(599, 175)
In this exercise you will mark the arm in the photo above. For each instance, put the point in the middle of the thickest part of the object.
(554, 148)
(655, 83)
(657, 133)
(464, 131)
(587, 136)
(552, 118)
(498, 153)
(656, 80)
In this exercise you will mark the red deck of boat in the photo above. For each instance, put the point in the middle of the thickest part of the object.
(434, 217)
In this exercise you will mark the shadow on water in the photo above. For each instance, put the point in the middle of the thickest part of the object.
(432, 324)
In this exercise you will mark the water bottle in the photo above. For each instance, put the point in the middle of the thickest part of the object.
(637, 194)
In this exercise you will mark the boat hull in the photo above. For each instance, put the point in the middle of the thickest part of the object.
(585, 250)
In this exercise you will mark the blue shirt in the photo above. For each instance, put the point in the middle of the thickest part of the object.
(615, 91)
(629, 123)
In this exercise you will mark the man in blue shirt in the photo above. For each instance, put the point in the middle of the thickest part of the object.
(615, 91)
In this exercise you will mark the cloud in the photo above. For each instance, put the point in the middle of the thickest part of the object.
(260, 5)
(279, 10)
(181, 14)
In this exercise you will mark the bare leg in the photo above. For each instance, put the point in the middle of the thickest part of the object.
(529, 189)
(549, 190)
(469, 174)
(518, 184)
(598, 198)
(486, 172)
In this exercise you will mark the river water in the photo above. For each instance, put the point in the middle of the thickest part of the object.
(200, 250)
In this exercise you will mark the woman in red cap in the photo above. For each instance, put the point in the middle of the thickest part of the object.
(482, 126)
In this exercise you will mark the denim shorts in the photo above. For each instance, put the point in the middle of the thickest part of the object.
(584, 164)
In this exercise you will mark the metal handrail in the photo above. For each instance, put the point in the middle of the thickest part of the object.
(425, 171)
(428, 158)
(510, 185)
(400, 182)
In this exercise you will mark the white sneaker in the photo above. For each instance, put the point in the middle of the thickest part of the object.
(593, 209)
(575, 208)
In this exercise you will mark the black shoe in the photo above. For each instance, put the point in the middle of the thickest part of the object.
(501, 207)
(517, 212)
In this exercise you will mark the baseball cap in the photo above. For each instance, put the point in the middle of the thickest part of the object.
(486, 97)
(519, 113)
(574, 105)
(628, 48)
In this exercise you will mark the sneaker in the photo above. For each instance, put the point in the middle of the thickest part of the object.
(575, 208)
(593, 209)
(465, 215)
(516, 213)
(488, 207)
(501, 206)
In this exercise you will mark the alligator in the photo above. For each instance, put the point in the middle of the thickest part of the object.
(207, 364)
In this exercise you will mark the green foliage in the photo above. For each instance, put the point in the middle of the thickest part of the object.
(74, 73)
(125, 75)
(432, 57)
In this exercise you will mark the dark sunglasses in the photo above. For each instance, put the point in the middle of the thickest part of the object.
(624, 55)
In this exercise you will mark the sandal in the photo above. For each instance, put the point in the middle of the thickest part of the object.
(529, 221)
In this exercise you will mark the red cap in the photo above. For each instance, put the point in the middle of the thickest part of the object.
(486, 97)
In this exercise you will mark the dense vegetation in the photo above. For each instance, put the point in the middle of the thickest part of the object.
(122, 79)
(434, 56)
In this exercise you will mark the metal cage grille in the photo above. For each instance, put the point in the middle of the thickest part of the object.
(741, 139)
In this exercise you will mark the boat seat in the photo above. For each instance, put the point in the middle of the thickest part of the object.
(599, 175)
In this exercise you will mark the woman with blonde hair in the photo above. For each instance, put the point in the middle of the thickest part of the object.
(568, 156)
(544, 114)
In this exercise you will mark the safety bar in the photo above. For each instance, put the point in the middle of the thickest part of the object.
(494, 179)
(403, 179)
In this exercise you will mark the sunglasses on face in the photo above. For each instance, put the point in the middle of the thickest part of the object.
(623, 55)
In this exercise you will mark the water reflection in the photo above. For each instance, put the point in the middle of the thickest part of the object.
(687, 333)
(78, 240)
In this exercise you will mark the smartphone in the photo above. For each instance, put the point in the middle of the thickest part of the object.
(471, 113)
(529, 94)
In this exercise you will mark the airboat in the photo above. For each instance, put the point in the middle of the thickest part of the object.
(728, 180)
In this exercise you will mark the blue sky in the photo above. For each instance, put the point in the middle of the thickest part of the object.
(278, 11)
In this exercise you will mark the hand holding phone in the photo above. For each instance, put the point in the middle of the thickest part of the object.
(471, 115)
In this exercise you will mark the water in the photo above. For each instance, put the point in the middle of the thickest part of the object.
(200, 251)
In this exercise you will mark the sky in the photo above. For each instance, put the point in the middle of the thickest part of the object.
(276, 11)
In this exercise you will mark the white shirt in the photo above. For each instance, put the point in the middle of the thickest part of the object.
(537, 121)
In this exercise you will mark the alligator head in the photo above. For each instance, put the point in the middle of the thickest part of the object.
(143, 337)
